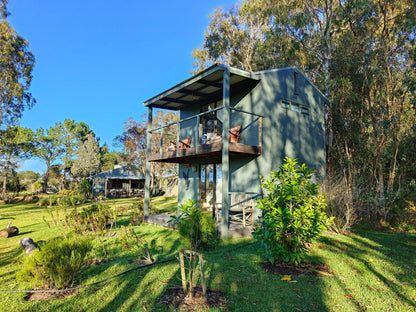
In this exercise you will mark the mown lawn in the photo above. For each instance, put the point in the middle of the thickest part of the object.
(372, 271)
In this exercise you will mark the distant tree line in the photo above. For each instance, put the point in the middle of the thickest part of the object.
(69, 150)
(361, 54)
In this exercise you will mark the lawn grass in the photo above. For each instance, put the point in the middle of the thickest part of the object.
(372, 271)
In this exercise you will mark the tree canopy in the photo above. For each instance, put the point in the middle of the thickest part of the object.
(16, 65)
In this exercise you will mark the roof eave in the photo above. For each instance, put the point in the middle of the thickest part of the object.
(195, 78)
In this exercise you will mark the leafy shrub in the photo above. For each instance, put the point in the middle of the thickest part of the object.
(57, 264)
(293, 213)
(199, 229)
(64, 198)
(137, 212)
(95, 218)
(85, 188)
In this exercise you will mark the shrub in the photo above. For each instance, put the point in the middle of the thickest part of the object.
(199, 229)
(293, 213)
(85, 188)
(341, 203)
(137, 212)
(92, 218)
(57, 264)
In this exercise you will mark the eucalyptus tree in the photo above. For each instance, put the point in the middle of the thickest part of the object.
(16, 65)
(70, 136)
(16, 143)
(134, 142)
(48, 149)
(374, 106)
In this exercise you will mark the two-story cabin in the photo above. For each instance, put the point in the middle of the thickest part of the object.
(234, 127)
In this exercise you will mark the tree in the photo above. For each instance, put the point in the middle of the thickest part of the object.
(27, 179)
(374, 116)
(88, 159)
(234, 37)
(47, 149)
(108, 159)
(15, 143)
(134, 142)
(16, 65)
(71, 136)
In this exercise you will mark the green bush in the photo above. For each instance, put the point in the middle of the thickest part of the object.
(85, 188)
(57, 264)
(64, 198)
(137, 212)
(199, 229)
(293, 213)
(92, 218)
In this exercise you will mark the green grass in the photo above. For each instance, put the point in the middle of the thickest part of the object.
(373, 271)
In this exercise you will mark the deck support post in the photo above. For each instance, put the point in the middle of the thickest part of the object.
(225, 154)
(148, 164)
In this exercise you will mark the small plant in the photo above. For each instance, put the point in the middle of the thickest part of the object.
(201, 233)
(57, 264)
(293, 213)
(199, 229)
(131, 240)
(136, 212)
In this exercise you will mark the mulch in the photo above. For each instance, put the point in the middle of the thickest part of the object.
(45, 296)
(175, 298)
(305, 268)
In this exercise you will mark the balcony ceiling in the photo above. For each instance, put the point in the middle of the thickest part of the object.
(203, 88)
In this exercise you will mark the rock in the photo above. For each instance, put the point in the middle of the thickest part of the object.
(29, 245)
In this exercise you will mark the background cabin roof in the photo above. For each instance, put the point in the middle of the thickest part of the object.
(203, 88)
(119, 173)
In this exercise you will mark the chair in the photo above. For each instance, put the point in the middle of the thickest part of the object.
(234, 133)
(183, 144)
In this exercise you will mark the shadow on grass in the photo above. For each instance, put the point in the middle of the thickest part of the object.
(10, 256)
(378, 258)
(235, 269)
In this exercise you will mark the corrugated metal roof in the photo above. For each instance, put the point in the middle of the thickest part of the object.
(119, 173)
(205, 87)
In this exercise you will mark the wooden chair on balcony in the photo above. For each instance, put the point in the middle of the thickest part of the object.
(183, 144)
(234, 135)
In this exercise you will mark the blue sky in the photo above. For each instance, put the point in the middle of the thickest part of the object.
(98, 60)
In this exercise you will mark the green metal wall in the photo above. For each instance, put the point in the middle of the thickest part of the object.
(285, 132)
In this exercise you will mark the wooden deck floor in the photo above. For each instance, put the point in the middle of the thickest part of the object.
(234, 230)
(211, 152)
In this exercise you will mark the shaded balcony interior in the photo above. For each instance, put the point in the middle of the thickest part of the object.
(200, 137)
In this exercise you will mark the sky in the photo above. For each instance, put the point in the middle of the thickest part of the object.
(97, 61)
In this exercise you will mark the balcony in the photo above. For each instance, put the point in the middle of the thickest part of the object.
(199, 138)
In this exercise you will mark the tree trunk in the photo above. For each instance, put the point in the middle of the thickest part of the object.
(4, 186)
(9, 231)
(45, 180)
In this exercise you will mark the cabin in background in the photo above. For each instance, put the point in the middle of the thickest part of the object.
(119, 182)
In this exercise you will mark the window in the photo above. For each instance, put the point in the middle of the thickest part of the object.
(294, 107)
(286, 104)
